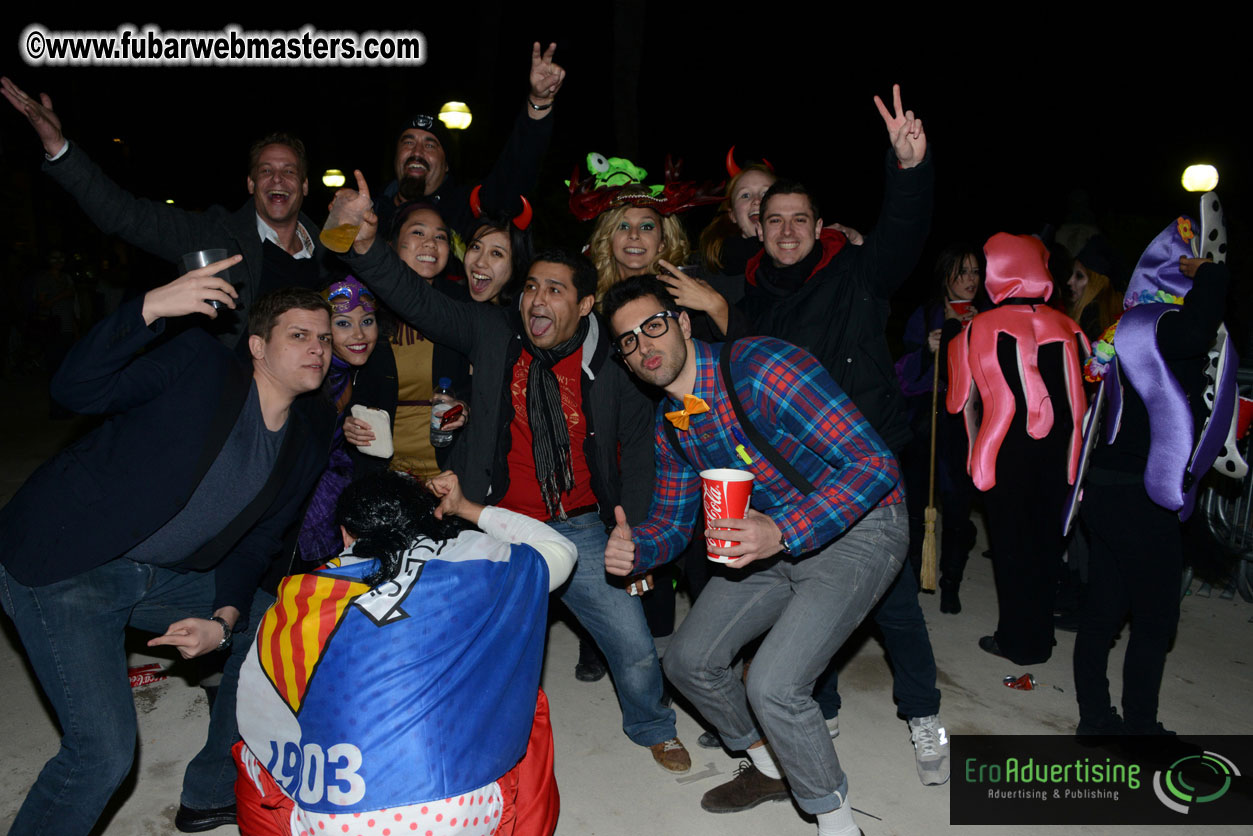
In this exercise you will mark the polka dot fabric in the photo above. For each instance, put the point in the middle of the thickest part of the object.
(475, 813)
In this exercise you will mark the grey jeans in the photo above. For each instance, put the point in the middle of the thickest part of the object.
(806, 607)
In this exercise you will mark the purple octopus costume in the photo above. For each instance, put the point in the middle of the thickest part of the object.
(1166, 373)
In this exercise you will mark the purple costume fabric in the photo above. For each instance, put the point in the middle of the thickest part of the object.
(914, 368)
(319, 537)
(1175, 465)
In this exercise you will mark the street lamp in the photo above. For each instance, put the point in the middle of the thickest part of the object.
(456, 116)
(1200, 178)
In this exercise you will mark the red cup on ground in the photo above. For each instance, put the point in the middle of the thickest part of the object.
(1244, 415)
(725, 493)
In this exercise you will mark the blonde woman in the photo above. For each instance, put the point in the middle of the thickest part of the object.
(1095, 301)
(632, 238)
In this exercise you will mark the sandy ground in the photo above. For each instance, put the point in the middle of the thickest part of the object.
(609, 786)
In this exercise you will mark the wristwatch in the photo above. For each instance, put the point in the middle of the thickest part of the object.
(227, 635)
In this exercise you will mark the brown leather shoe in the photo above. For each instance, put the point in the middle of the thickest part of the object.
(744, 792)
(671, 755)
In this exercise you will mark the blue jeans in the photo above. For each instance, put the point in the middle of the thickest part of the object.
(909, 650)
(73, 634)
(616, 622)
(806, 607)
(209, 781)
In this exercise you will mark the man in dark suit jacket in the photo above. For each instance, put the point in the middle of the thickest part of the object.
(164, 518)
(279, 244)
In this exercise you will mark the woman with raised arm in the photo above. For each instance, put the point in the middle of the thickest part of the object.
(423, 242)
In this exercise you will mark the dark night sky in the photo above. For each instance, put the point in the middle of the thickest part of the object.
(1015, 120)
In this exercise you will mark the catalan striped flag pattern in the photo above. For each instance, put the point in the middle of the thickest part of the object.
(357, 699)
(291, 638)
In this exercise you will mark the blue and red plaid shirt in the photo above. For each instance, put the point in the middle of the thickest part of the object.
(792, 401)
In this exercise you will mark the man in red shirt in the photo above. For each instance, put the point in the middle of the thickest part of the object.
(558, 432)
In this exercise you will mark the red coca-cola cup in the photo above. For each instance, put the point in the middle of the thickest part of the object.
(725, 492)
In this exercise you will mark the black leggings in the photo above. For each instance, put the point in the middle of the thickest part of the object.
(1024, 515)
(1134, 569)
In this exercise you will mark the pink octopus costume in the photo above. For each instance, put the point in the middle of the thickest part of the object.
(1017, 269)
(1024, 360)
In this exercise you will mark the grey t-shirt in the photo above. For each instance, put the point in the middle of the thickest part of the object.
(234, 479)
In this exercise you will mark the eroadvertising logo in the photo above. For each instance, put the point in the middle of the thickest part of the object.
(1043, 779)
(1176, 786)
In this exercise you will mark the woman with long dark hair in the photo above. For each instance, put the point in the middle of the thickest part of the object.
(499, 253)
(958, 282)
(359, 375)
(424, 243)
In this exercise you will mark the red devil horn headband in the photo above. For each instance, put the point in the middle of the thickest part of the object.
(733, 169)
(521, 220)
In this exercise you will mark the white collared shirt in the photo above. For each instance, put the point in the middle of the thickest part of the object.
(267, 233)
(263, 229)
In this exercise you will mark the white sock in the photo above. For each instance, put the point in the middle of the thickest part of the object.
(838, 822)
(764, 761)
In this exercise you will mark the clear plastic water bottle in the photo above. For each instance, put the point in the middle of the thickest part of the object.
(441, 401)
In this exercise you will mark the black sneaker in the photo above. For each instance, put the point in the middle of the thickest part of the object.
(709, 740)
(744, 792)
(1155, 729)
(191, 820)
(1067, 621)
(988, 644)
(589, 668)
(592, 671)
(1101, 725)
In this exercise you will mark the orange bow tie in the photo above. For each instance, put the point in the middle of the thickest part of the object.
(692, 405)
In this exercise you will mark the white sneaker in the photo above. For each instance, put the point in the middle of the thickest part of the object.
(930, 749)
